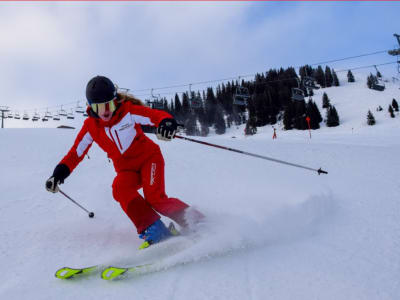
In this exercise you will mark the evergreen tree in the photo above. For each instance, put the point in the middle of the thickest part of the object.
(350, 77)
(320, 77)
(178, 108)
(300, 115)
(191, 125)
(395, 105)
(210, 106)
(332, 117)
(335, 79)
(311, 113)
(390, 110)
(185, 106)
(317, 113)
(325, 101)
(328, 77)
(371, 79)
(220, 126)
(370, 118)
(378, 74)
(250, 128)
(288, 116)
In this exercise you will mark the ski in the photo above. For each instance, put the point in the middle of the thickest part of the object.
(68, 273)
(112, 273)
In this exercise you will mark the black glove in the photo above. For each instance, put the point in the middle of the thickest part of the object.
(167, 129)
(61, 172)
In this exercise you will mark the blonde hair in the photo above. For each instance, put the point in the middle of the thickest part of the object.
(129, 97)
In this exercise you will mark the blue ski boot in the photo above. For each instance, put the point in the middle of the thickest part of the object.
(155, 233)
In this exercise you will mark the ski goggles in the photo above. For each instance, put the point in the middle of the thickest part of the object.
(100, 108)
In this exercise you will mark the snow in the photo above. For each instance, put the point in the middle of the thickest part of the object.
(272, 231)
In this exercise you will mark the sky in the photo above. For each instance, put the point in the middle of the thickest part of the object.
(50, 50)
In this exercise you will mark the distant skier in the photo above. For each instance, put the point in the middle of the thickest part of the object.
(114, 123)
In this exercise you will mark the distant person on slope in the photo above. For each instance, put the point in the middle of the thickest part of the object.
(114, 123)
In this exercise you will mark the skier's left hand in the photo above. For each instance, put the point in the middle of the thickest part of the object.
(167, 129)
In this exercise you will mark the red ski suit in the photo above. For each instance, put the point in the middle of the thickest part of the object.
(137, 160)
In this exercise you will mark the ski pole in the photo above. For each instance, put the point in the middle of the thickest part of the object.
(91, 214)
(252, 154)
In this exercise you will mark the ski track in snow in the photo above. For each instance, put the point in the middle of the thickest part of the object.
(332, 236)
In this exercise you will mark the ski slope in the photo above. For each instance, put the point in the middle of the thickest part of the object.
(272, 231)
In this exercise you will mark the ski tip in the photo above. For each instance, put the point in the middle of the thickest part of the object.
(68, 273)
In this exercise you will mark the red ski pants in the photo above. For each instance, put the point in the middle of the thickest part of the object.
(148, 175)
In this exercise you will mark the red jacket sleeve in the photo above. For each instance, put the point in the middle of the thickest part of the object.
(81, 146)
(147, 116)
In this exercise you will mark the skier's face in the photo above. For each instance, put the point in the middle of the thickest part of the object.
(105, 110)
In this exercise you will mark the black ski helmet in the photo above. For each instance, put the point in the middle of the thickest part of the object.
(100, 89)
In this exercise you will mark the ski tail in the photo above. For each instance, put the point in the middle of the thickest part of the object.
(112, 273)
(68, 273)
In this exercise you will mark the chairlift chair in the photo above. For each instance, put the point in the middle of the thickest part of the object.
(79, 109)
(25, 117)
(70, 116)
(10, 116)
(196, 102)
(309, 83)
(297, 94)
(45, 119)
(241, 96)
(56, 117)
(48, 115)
(35, 117)
(62, 112)
(17, 116)
(158, 104)
(378, 85)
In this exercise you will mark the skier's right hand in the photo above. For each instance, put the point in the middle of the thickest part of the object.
(61, 172)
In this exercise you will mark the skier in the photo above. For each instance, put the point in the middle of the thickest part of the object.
(114, 123)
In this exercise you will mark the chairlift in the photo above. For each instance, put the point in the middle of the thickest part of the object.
(35, 117)
(70, 115)
(48, 115)
(79, 109)
(25, 117)
(297, 94)
(44, 119)
(56, 117)
(10, 116)
(196, 102)
(378, 84)
(17, 116)
(156, 102)
(309, 83)
(241, 96)
(62, 112)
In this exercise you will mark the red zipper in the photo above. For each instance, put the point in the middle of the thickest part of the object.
(119, 142)
(109, 130)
